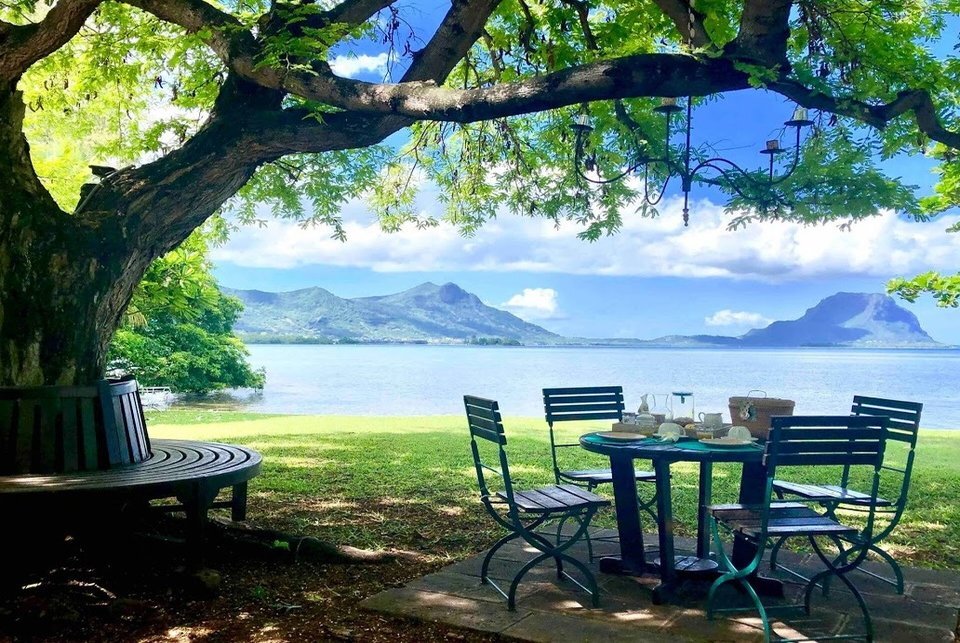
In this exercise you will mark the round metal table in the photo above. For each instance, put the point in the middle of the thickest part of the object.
(632, 558)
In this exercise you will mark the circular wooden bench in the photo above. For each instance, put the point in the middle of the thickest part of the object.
(192, 472)
(90, 445)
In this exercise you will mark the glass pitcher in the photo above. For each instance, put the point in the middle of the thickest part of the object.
(682, 405)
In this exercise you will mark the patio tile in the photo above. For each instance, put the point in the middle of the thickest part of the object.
(539, 626)
(551, 610)
(443, 608)
(938, 594)
(898, 631)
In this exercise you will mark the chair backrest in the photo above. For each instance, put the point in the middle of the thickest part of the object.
(903, 417)
(483, 418)
(827, 440)
(579, 403)
(903, 425)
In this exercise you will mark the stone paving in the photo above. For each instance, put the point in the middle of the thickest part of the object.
(551, 610)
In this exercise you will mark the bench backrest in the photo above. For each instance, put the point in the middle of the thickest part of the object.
(56, 429)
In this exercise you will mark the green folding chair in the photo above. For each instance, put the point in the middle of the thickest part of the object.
(803, 441)
(522, 512)
(588, 403)
(903, 425)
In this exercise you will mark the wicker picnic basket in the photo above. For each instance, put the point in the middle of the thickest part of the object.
(754, 412)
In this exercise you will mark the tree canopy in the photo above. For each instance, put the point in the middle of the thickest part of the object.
(201, 105)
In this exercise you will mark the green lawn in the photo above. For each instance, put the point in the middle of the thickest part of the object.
(409, 483)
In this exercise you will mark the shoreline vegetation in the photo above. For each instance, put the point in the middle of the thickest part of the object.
(292, 340)
(295, 340)
(359, 480)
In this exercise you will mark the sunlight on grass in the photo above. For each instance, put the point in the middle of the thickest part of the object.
(409, 483)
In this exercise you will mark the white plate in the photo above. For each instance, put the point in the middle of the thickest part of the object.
(727, 442)
(621, 435)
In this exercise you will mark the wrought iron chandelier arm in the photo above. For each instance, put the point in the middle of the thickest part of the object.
(646, 185)
(735, 170)
(729, 183)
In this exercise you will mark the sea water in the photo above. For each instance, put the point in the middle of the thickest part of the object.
(432, 379)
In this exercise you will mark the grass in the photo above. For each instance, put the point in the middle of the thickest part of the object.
(409, 482)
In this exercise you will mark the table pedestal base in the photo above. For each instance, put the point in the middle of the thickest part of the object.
(616, 565)
(692, 566)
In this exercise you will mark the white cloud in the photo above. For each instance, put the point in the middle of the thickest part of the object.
(727, 317)
(352, 66)
(881, 246)
(533, 304)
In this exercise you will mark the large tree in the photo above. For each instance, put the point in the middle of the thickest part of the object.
(201, 102)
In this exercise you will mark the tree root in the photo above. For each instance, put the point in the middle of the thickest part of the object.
(277, 544)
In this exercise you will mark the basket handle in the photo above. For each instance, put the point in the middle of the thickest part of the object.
(756, 390)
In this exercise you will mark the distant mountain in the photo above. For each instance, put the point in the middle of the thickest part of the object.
(427, 312)
(447, 313)
(859, 320)
(846, 319)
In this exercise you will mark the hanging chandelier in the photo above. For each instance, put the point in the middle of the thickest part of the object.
(685, 166)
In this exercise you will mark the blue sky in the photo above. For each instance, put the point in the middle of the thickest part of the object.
(654, 278)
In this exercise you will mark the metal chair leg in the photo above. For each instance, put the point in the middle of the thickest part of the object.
(493, 550)
(740, 576)
(839, 572)
(556, 552)
(897, 581)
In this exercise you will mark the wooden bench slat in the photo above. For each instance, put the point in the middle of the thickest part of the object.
(92, 456)
(70, 436)
(174, 462)
(24, 436)
(48, 412)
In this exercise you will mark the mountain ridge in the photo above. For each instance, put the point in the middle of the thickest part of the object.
(424, 313)
(431, 313)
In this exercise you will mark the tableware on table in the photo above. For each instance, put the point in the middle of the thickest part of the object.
(712, 421)
(629, 418)
(728, 442)
(669, 431)
(659, 418)
(739, 432)
(646, 420)
(620, 435)
(620, 427)
(704, 432)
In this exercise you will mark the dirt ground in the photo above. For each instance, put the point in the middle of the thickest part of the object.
(139, 590)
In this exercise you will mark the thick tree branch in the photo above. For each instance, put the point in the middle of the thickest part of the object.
(23, 45)
(917, 101)
(688, 20)
(764, 31)
(246, 129)
(630, 76)
(296, 131)
(351, 12)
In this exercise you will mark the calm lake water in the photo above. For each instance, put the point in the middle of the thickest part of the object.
(431, 380)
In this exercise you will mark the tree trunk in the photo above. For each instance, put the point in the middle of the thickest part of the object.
(61, 301)
(64, 280)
